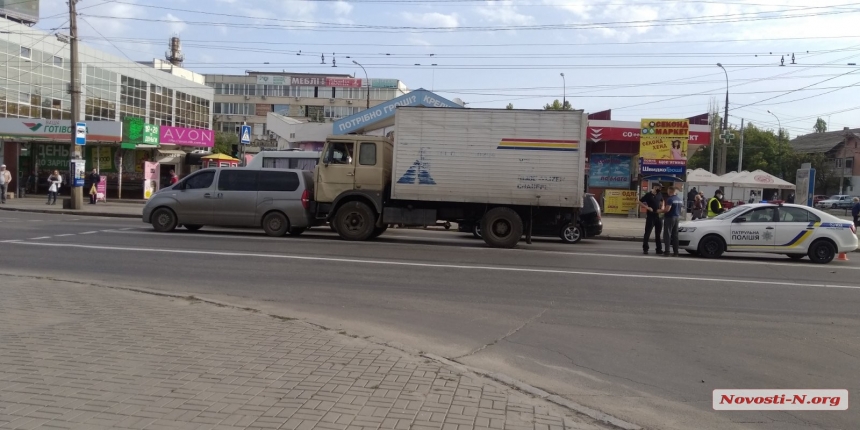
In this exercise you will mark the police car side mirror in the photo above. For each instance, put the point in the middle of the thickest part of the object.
(740, 219)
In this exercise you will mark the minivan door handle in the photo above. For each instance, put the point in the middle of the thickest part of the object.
(207, 196)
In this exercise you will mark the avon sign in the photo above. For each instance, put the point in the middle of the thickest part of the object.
(187, 136)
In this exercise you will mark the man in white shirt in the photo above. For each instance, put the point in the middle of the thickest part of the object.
(5, 180)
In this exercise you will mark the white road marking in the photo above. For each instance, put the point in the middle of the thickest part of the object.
(65, 235)
(89, 232)
(440, 265)
(40, 238)
(11, 241)
(773, 262)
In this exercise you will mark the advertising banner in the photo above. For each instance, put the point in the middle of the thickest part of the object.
(673, 168)
(101, 189)
(101, 158)
(52, 156)
(187, 136)
(343, 82)
(78, 172)
(609, 171)
(135, 131)
(56, 129)
(383, 83)
(386, 110)
(272, 80)
(151, 178)
(805, 182)
(308, 81)
(664, 139)
(620, 201)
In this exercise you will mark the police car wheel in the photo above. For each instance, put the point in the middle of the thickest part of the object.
(712, 247)
(822, 252)
(796, 256)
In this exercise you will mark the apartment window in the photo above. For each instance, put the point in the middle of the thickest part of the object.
(849, 163)
(58, 61)
(26, 52)
(160, 105)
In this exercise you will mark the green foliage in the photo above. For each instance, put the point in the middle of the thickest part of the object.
(224, 143)
(557, 105)
(820, 126)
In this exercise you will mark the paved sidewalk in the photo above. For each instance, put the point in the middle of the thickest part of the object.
(90, 357)
(107, 209)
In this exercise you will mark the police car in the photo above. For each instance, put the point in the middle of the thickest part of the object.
(794, 230)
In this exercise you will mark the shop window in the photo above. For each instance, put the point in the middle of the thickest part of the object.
(26, 52)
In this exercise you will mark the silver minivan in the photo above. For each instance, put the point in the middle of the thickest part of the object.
(278, 200)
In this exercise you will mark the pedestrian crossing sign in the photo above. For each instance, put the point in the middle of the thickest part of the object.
(246, 135)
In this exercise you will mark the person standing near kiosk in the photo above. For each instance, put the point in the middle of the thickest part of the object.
(653, 203)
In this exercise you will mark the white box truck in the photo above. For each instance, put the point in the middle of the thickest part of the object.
(505, 169)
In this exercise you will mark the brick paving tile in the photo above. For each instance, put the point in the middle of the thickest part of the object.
(78, 356)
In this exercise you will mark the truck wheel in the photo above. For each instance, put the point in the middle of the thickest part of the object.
(378, 231)
(355, 221)
(275, 224)
(501, 228)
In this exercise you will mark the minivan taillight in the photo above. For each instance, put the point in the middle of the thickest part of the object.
(306, 199)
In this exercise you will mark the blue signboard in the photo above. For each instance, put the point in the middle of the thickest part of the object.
(375, 114)
(81, 134)
(609, 171)
(669, 168)
(245, 137)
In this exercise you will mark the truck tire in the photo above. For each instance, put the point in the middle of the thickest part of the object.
(355, 221)
(378, 231)
(501, 228)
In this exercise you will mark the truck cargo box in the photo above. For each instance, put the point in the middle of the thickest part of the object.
(489, 156)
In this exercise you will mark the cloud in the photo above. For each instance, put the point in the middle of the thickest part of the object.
(504, 12)
(176, 25)
(433, 19)
(341, 7)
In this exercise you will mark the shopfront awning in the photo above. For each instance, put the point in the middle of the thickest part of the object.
(171, 152)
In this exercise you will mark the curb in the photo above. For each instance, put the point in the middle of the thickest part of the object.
(72, 212)
(515, 384)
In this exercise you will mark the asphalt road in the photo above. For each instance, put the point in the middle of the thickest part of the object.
(643, 338)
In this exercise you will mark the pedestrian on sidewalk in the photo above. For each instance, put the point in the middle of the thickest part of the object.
(855, 211)
(174, 178)
(691, 199)
(673, 208)
(5, 180)
(95, 178)
(653, 203)
(698, 207)
(56, 181)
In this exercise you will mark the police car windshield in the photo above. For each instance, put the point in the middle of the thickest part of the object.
(728, 213)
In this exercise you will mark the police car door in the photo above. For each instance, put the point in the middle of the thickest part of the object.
(795, 228)
(754, 230)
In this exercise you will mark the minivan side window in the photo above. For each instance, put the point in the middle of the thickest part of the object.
(278, 181)
(199, 181)
(237, 180)
(367, 154)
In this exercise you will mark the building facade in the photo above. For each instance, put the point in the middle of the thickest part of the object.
(312, 97)
(35, 73)
(841, 148)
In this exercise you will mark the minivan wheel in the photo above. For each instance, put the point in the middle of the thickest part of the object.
(355, 221)
(822, 252)
(571, 233)
(193, 227)
(501, 228)
(275, 224)
(164, 220)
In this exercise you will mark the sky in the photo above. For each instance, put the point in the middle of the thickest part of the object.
(642, 59)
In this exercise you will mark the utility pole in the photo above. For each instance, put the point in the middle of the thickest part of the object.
(77, 193)
(713, 135)
(367, 77)
(741, 148)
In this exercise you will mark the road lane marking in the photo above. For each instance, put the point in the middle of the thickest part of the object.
(11, 241)
(66, 235)
(438, 265)
(40, 238)
(325, 238)
(89, 232)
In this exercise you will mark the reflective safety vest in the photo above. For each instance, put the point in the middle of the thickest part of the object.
(711, 213)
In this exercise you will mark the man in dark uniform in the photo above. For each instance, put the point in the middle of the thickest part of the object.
(653, 204)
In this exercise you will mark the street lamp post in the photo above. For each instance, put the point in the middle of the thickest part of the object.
(778, 136)
(726, 117)
(564, 92)
(368, 81)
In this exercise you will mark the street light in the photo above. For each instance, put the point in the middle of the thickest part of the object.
(564, 92)
(368, 81)
(726, 118)
(778, 137)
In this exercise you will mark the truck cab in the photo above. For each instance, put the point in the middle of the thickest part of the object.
(354, 170)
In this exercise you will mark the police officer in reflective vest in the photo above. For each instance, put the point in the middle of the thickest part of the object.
(715, 204)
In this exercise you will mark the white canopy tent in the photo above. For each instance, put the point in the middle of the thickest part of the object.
(705, 182)
(745, 185)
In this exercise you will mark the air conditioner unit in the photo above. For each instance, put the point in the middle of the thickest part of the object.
(349, 102)
(298, 98)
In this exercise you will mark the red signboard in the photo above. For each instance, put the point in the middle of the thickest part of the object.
(343, 82)
(631, 134)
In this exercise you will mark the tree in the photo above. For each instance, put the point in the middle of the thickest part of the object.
(557, 105)
(224, 143)
(820, 126)
(510, 106)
